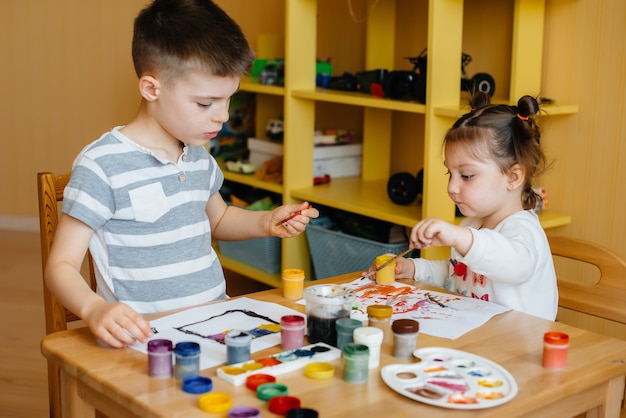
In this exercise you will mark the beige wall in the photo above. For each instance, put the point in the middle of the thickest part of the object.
(66, 77)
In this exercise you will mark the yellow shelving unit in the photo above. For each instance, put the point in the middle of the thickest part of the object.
(366, 195)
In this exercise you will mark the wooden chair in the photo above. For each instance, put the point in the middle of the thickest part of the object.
(50, 193)
(603, 298)
(596, 305)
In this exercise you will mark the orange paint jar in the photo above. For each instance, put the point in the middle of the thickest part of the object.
(555, 347)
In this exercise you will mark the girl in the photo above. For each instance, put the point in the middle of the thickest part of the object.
(499, 252)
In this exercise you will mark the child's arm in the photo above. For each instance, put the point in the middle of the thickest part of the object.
(230, 223)
(113, 322)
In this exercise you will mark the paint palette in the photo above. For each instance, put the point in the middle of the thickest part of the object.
(451, 379)
(280, 363)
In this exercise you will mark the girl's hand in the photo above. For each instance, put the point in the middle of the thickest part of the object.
(117, 324)
(435, 232)
(405, 269)
(291, 220)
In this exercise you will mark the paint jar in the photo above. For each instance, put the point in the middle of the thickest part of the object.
(160, 358)
(291, 332)
(386, 275)
(324, 305)
(187, 356)
(355, 363)
(301, 413)
(379, 316)
(372, 337)
(244, 412)
(293, 283)
(404, 337)
(555, 347)
(237, 346)
(345, 330)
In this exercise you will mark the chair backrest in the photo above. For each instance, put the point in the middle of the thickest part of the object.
(604, 298)
(50, 193)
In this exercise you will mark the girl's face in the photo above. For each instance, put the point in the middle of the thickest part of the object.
(478, 186)
(192, 108)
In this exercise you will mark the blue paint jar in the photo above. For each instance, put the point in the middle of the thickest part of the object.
(345, 330)
(187, 356)
(237, 346)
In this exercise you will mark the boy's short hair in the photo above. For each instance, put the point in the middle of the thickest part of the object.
(171, 36)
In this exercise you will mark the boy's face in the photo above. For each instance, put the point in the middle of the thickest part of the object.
(192, 107)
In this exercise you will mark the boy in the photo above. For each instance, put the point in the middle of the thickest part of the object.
(144, 198)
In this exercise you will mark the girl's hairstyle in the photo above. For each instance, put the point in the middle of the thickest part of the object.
(506, 134)
(172, 36)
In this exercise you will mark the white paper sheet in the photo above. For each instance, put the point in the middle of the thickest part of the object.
(199, 324)
(439, 314)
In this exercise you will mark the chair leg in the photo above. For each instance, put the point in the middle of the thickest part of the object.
(54, 391)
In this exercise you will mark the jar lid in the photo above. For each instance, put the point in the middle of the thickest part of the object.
(368, 335)
(267, 391)
(347, 324)
(329, 294)
(244, 412)
(354, 349)
(197, 384)
(301, 413)
(238, 338)
(159, 346)
(380, 311)
(405, 326)
(556, 338)
(281, 404)
(215, 403)
(291, 320)
(382, 259)
(319, 370)
(293, 273)
(255, 380)
(187, 348)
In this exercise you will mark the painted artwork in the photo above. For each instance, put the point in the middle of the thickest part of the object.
(207, 325)
(439, 314)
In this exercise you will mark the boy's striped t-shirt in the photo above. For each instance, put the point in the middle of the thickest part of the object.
(152, 238)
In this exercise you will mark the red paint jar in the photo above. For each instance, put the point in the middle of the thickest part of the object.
(291, 332)
(555, 347)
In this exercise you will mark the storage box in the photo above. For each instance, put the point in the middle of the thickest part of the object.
(334, 160)
(262, 253)
(334, 252)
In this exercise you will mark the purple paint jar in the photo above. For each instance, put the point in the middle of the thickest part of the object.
(160, 358)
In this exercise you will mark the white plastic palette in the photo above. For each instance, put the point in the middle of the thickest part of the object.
(280, 363)
(451, 379)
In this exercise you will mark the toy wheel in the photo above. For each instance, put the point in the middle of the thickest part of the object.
(483, 82)
(402, 188)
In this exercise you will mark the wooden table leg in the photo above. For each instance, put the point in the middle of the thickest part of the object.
(612, 404)
(73, 406)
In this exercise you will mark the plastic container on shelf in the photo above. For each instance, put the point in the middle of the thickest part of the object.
(356, 253)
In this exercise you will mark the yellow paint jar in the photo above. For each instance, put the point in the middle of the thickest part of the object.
(385, 275)
(293, 283)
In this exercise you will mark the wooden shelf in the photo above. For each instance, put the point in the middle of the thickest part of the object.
(253, 86)
(251, 180)
(249, 271)
(456, 111)
(359, 99)
(368, 198)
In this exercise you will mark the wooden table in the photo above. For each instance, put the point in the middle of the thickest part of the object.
(115, 381)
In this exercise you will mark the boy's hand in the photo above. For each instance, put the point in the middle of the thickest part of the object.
(117, 324)
(291, 220)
